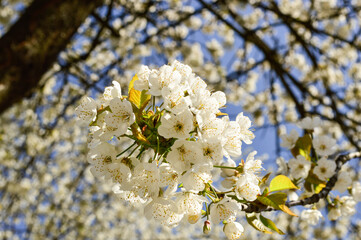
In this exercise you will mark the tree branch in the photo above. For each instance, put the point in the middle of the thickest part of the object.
(340, 160)
(33, 43)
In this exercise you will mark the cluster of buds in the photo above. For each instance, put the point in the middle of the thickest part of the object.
(177, 138)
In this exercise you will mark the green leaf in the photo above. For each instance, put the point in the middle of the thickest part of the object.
(281, 182)
(140, 99)
(276, 201)
(303, 147)
(255, 223)
(270, 224)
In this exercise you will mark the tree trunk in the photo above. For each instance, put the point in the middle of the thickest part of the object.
(33, 43)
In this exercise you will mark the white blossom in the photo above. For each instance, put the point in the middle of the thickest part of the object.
(87, 110)
(224, 210)
(196, 178)
(122, 115)
(356, 191)
(310, 123)
(311, 216)
(289, 141)
(245, 123)
(324, 169)
(176, 126)
(343, 182)
(233, 230)
(324, 145)
(247, 187)
(299, 167)
(142, 83)
(184, 153)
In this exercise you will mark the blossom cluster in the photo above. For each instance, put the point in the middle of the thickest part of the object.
(175, 147)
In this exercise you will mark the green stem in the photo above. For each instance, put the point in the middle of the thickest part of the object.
(127, 149)
(134, 150)
(215, 194)
(153, 104)
(224, 167)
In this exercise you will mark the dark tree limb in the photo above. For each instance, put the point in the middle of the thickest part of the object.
(340, 160)
(32, 44)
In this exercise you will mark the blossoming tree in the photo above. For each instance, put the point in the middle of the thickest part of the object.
(161, 148)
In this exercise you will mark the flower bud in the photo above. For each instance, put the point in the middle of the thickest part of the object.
(206, 227)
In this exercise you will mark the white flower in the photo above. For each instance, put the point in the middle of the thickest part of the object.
(212, 127)
(87, 110)
(251, 165)
(205, 103)
(233, 230)
(247, 187)
(196, 85)
(119, 172)
(224, 210)
(282, 166)
(167, 76)
(229, 182)
(347, 206)
(311, 216)
(184, 153)
(324, 145)
(231, 138)
(195, 178)
(356, 191)
(212, 151)
(168, 177)
(289, 141)
(343, 182)
(142, 83)
(111, 92)
(128, 196)
(146, 180)
(324, 169)
(310, 123)
(176, 126)
(163, 210)
(122, 115)
(183, 69)
(299, 168)
(190, 204)
(245, 123)
(334, 213)
(100, 157)
(174, 100)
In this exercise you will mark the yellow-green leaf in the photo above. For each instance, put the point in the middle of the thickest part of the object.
(276, 201)
(139, 98)
(303, 147)
(281, 182)
(255, 223)
(131, 84)
(285, 209)
(270, 224)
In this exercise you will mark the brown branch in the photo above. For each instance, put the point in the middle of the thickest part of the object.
(33, 43)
